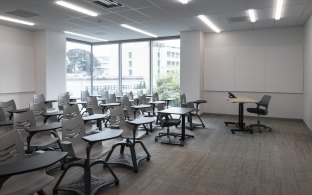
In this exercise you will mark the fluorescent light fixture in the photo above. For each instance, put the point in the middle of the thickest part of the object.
(209, 23)
(76, 8)
(16, 20)
(139, 30)
(279, 9)
(252, 15)
(184, 1)
(85, 36)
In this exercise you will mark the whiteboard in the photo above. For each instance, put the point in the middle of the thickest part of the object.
(17, 68)
(254, 69)
(218, 69)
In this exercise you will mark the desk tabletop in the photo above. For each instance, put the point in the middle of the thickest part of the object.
(94, 117)
(176, 110)
(18, 110)
(141, 120)
(199, 101)
(141, 106)
(46, 127)
(157, 102)
(53, 113)
(79, 102)
(32, 163)
(111, 104)
(168, 99)
(241, 99)
(49, 101)
(104, 135)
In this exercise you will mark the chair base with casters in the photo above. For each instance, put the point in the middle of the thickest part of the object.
(168, 134)
(259, 126)
(127, 160)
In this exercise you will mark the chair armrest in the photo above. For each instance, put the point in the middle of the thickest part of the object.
(68, 147)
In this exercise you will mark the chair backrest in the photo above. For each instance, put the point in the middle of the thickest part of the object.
(111, 98)
(84, 95)
(142, 99)
(117, 120)
(23, 121)
(155, 96)
(183, 99)
(92, 106)
(130, 95)
(65, 93)
(7, 106)
(63, 100)
(126, 106)
(73, 129)
(264, 102)
(119, 93)
(11, 147)
(140, 92)
(104, 94)
(38, 109)
(39, 98)
(71, 111)
(2, 115)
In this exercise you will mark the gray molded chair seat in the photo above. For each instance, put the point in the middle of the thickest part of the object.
(12, 150)
(186, 104)
(41, 140)
(261, 109)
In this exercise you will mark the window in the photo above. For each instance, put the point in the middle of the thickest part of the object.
(124, 66)
(105, 68)
(166, 77)
(138, 76)
(78, 68)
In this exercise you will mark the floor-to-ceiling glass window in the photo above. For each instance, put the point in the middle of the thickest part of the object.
(105, 68)
(135, 59)
(78, 67)
(166, 67)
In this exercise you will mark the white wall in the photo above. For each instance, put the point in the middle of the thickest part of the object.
(17, 70)
(31, 62)
(285, 105)
(308, 73)
(191, 64)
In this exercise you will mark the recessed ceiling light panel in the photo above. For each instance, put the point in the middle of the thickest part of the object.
(252, 15)
(76, 8)
(138, 30)
(209, 23)
(184, 1)
(16, 20)
(279, 9)
(85, 36)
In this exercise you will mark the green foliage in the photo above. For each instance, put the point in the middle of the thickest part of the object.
(79, 61)
(168, 86)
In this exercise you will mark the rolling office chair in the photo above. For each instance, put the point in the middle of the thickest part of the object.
(261, 109)
(165, 120)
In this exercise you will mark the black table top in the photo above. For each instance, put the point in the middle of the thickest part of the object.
(49, 101)
(60, 112)
(104, 135)
(94, 117)
(141, 120)
(6, 123)
(176, 110)
(45, 127)
(33, 163)
(141, 106)
(18, 110)
(111, 104)
(157, 102)
(199, 101)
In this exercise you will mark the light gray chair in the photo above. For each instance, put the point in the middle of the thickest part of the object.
(41, 98)
(71, 111)
(7, 106)
(84, 95)
(2, 115)
(12, 150)
(63, 100)
(41, 140)
(186, 104)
